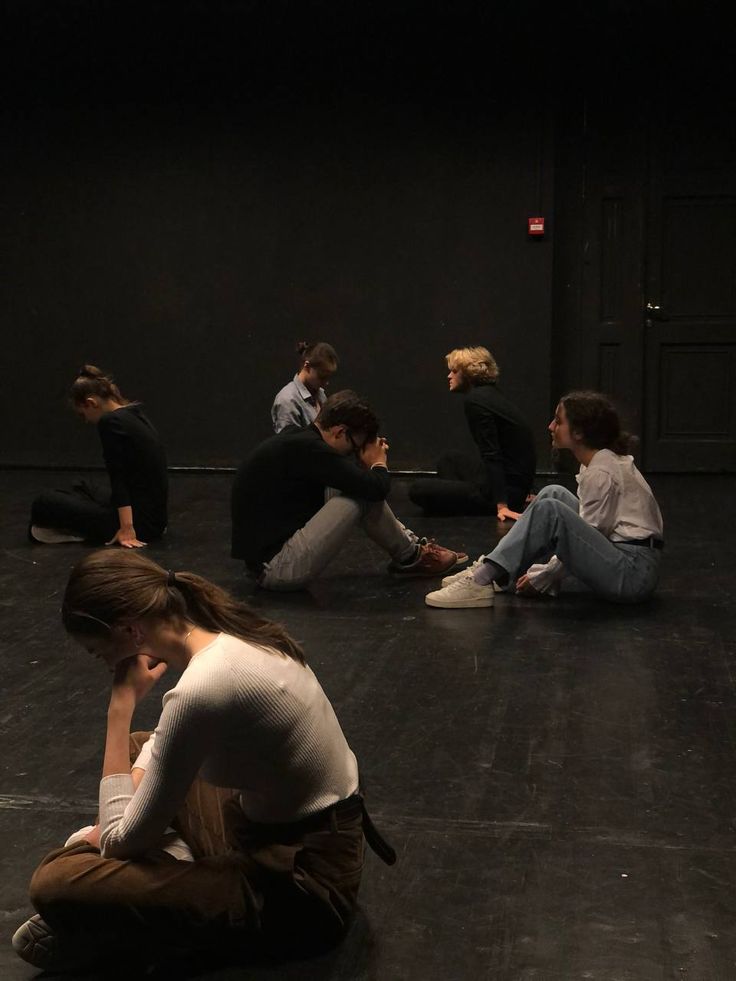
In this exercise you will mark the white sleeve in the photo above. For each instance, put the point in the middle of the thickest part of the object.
(143, 760)
(545, 577)
(132, 822)
(599, 499)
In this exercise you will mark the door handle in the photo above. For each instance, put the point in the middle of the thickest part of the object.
(653, 312)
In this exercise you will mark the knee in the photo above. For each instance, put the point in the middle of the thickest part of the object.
(550, 511)
(553, 492)
(49, 883)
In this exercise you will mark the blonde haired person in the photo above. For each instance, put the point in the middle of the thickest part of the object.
(476, 363)
(498, 480)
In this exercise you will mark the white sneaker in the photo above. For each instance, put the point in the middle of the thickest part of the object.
(463, 572)
(36, 943)
(461, 594)
(50, 536)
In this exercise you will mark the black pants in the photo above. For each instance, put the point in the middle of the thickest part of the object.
(86, 511)
(457, 488)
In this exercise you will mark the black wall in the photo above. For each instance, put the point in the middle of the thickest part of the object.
(182, 208)
(190, 189)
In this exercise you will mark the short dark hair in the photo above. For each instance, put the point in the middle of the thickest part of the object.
(348, 409)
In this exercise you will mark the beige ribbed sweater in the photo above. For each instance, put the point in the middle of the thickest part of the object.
(240, 717)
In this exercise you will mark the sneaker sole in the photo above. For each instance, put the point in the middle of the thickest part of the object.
(459, 604)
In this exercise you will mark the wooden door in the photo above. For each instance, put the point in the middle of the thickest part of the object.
(689, 297)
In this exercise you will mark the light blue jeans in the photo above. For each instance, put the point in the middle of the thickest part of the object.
(303, 557)
(551, 526)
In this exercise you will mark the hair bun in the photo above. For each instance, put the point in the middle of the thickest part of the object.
(90, 371)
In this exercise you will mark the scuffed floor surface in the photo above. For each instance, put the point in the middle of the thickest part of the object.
(557, 776)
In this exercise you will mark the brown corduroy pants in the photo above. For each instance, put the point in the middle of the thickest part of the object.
(297, 882)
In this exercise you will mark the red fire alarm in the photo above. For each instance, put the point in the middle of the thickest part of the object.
(536, 226)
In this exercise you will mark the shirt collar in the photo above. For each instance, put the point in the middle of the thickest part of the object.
(305, 393)
(302, 388)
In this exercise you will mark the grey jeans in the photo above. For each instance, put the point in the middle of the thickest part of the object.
(551, 525)
(304, 556)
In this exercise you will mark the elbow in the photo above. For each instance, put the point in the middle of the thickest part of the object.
(111, 846)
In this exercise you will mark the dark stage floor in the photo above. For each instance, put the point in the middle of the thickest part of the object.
(557, 776)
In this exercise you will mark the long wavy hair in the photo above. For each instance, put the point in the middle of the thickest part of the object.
(110, 587)
(595, 419)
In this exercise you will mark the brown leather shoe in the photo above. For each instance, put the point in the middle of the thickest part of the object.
(433, 560)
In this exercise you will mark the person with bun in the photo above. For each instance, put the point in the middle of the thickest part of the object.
(499, 479)
(607, 540)
(248, 769)
(298, 403)
(300, 495)
(135, 512)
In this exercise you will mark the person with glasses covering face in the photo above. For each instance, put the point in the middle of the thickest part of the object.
(248, 762)
(299, 402)
(287, 521)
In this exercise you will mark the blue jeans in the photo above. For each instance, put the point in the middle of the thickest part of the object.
(551, 526)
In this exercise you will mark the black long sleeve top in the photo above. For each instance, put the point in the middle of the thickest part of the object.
(504, 440)
(282, 485)
(136, 465)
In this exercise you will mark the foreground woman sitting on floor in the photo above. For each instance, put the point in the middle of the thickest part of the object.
(276, 859)
(608, 538)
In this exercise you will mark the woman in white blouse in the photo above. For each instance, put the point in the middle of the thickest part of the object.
(608, 538)
(248, 766)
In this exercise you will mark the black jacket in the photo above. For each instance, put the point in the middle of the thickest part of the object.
(504, 440)
(282, 485)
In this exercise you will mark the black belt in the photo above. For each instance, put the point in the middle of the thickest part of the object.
(644, 542)
(351, 807)
(348, 808)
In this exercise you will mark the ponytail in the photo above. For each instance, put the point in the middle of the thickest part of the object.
(110, 587)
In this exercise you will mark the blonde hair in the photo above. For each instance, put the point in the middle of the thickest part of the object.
(476, 363)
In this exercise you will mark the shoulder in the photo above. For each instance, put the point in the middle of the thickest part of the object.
(113, 423)
(291, 439)
(482, 396)
(225, 672)
(287, 392)
(606, 461)
(123, 418)
(603, 470)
